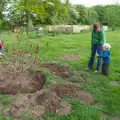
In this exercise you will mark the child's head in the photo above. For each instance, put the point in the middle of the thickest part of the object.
(97, 27)
(106, 46)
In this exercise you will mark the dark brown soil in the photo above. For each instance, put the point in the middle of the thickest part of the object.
(72, 91)
(70, 57)
(47, 101)
(39, 103)
(65, 89)
(56, 69)
(13, 81)
(65, 109)
(84, 96)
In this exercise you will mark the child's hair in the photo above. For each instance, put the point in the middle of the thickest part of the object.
(106, 46)
(96, 25)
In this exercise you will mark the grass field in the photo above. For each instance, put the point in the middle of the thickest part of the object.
(106, 104)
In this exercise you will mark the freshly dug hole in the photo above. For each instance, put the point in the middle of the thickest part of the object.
(55, 69)
(13, 81)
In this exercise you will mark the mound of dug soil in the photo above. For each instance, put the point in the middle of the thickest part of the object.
(84, 96)
(13, 82)
(39, 103)
(65, 89)
(72, 91)
(56, 69)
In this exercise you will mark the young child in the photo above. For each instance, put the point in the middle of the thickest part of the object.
(1, 44)
(106, 58)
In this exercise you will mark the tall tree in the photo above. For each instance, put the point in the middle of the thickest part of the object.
(3, 4)
(82, 11)
(30, 7)
(73, 15)
(113, 15)
(92, 16)
(101, 10)
(57, 13)
(45, 11)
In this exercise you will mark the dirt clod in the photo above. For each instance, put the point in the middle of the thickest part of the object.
(13, 82)
(56, 69)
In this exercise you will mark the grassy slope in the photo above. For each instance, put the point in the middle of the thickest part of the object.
(51, 48)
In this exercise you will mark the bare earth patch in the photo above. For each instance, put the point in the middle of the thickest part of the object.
(72, 91)
(70, 57)
(12, 82)
(47, 101)
(56, 69)
(84, 96)
(114, 83)
(39, 103)
(65, 89)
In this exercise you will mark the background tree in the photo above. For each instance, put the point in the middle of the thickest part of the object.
(92, 16)
(3, 4)
(82, 11)
(73, 15)
(101, 11)
(113, 15)
(51, 12)
(57, 13)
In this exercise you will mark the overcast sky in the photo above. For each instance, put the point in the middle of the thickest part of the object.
(92, 2)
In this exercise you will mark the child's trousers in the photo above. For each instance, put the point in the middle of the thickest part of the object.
(105, 69)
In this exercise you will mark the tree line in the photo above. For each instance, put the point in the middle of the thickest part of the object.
(52, 12)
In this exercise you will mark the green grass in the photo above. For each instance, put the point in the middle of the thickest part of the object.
(106, 97)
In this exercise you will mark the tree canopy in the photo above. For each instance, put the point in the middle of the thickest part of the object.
(52, 12)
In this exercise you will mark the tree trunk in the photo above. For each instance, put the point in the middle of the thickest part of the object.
(29, 23)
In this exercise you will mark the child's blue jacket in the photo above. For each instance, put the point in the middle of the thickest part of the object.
(106, 56)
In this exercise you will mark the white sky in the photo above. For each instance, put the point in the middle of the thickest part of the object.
(93, 2)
